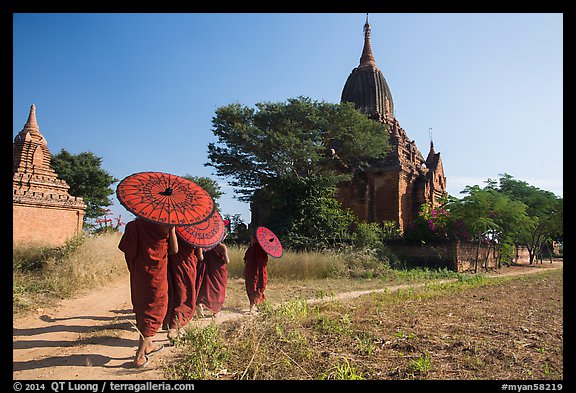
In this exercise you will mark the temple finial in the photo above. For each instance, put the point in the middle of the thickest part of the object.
(367, 59)
(31, 123)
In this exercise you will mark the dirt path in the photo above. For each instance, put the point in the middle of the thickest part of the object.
(93, 337)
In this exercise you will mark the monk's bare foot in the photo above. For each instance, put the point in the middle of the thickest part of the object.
(154, 349)
(141, 361)
(201, 310)
(173, 334)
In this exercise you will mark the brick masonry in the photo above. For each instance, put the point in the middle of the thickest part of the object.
(395, 186)
(44, 214)
(453, 255)
(42, 225)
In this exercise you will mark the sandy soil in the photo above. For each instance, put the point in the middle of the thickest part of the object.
(93, 337)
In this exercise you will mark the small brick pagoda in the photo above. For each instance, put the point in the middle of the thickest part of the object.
(394, 188)
(44, 212)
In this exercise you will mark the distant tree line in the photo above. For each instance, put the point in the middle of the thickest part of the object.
(504, 214)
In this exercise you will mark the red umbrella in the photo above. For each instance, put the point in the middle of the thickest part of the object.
(206, 234)
(165, 198)
(269, 242)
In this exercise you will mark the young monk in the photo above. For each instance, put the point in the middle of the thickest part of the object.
(181, 287)
(200, 270)
(212, 293)
(146, 246)
(255, 273)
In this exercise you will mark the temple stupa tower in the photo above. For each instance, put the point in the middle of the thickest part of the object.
(44, 212)
(393, 188)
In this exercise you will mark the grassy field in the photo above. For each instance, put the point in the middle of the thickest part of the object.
(41, 275)
(472, 328)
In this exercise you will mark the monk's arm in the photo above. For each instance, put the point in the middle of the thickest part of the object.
(226, 258)
(172, 241)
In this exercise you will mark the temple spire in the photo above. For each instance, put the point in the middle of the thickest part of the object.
(367, 59)
(31, 124)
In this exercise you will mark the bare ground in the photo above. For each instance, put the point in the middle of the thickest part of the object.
(92, 337)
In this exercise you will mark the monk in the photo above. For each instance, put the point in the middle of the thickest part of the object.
(255, 273)
(212, 293)
(146, 246)
(200, 270)
(181, 287)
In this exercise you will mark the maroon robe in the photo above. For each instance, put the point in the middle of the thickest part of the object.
(255, 273)
(200, 269)
(212, 292)
(181, 285)
(145, 247)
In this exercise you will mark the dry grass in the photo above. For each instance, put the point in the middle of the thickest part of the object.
(60, 274)
(468, 329)
(293, 265)
(41, 275)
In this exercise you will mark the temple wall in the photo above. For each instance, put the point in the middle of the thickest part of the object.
(45, 226)
(453, 255)
(386, 196)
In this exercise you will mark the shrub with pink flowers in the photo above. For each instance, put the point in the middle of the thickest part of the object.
(432, 223)
(106, 222)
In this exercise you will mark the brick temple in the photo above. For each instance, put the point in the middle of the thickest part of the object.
(44, 213)
(395, 187)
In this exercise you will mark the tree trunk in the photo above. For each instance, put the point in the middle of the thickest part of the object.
(487, 256)
(549, 252)
(477, 255)
(531, 255)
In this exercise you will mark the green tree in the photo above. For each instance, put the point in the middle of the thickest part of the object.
(544, 210)
(308, 216)
(84, 174)
(489, 216)
(211, 186)
(290, 140)
(290, 156)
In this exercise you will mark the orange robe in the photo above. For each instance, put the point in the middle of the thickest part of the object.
(145, 247)
(255, 273)
(212, 292)
(181, 285)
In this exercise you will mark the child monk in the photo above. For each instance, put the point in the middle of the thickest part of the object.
(146, 246)
(255, 273)
(181, 287)
(212, 293)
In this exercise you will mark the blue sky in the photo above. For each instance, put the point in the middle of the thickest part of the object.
(140, 90)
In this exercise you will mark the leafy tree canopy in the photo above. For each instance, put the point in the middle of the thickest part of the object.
(211, 186)
(290, 140)
(86, 178)
(308, 216)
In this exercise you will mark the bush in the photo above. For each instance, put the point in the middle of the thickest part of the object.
(367, 236)
(42, 274)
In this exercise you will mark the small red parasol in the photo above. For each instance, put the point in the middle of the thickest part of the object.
(206, 234)
(269, 242)
(165, 198)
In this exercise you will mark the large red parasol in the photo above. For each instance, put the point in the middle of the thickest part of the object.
(206, 234)
(269, 242)
(165, 198)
